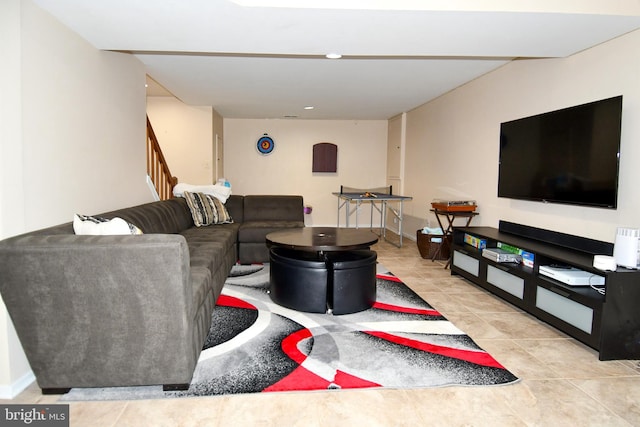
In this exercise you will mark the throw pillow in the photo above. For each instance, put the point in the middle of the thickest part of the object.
(94, 225)
(206, 209)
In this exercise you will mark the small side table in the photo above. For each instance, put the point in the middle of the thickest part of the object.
(450, 216)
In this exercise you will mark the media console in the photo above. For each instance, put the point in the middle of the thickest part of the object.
(609, 322)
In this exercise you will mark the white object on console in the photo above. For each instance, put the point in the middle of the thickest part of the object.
(625, 250)
(571, 276)
(604, 262)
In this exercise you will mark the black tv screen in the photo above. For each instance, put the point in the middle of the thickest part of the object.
(565, 156)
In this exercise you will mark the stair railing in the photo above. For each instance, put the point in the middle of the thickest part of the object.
(157, 167)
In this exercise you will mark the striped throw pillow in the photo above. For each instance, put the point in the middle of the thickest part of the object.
(206, 209)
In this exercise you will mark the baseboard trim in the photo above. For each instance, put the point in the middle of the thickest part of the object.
(12, 390)
(405, 234)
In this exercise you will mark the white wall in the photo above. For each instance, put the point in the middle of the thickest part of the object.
(15, 372)
(362, 150)
(73, 137)
(452, 142)
(84, 127)
(185, 134)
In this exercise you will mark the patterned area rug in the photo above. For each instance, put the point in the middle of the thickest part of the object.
(255, 346)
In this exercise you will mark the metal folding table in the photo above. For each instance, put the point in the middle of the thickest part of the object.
(379, 200)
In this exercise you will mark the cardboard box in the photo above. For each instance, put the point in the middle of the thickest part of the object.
(475, 241)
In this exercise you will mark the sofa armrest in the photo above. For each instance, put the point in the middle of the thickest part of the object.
(85, 307)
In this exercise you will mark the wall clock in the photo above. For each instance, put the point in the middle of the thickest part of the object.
(265, 144)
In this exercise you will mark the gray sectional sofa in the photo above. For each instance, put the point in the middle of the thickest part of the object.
(130, 310)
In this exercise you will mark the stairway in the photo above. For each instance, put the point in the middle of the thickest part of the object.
(157, 169)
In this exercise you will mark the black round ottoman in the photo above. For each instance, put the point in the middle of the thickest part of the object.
(298, 280)
(352, 284)
(339, 282)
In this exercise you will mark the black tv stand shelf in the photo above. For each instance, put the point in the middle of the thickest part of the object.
(609, 323)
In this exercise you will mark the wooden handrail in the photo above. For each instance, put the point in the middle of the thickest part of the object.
(157, 167)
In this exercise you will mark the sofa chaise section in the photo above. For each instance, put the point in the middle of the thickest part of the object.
(92, 311)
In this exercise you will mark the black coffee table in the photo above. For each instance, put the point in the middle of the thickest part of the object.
(323, 239)
(323, 269)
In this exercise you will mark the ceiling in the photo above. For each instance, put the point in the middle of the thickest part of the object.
(249, 61)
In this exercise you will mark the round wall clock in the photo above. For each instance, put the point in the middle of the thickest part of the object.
(265, 144)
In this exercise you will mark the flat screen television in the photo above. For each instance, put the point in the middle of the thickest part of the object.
(566, 156)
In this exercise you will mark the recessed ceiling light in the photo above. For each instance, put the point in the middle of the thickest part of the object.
(309, 107)
(333, 56)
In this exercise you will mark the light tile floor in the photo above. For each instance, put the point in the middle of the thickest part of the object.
(562, 381)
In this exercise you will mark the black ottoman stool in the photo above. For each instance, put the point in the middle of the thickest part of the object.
(352, 286)
(298, 280)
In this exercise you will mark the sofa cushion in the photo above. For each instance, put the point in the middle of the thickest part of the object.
(235, 207)
(256, 231)
(167, 216)
(206, 209)
(209, 245)
(273, 208)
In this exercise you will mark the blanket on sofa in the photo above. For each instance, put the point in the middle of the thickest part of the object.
(220, 192)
